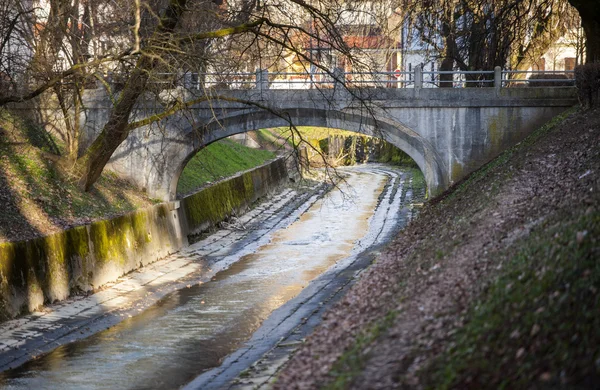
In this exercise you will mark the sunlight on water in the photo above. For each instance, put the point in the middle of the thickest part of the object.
(193, 329)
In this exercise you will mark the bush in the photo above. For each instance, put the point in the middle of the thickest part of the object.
(587, 80)
(536, 80)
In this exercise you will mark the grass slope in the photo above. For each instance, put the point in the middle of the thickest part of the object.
(36, 200)
(539, 322)
(218, 160)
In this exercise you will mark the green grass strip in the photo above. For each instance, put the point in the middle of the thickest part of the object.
(219, 160)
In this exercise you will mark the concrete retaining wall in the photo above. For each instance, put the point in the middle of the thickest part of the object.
(51, 268)
(216, 203)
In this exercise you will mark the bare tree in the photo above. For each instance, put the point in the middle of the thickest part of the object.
(483, 34)
(154, 38)
(15, 32)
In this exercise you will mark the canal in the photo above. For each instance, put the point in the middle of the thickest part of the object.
(193, 329)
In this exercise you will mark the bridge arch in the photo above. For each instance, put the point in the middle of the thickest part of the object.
(243, 121)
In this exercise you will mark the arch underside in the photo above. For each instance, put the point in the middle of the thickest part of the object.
(391, 131)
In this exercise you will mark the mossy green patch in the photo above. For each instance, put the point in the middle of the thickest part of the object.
(352, 362)
(248, 183)
(50, 268)
(109, 240)
(543, 312)
(77, 243)
(494, 132)
(457, 171)
(216, 203)
(390, 154)
(138, 224)
(7, 258)
(55, 250)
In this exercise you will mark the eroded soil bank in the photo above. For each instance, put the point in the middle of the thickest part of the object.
(496, 284)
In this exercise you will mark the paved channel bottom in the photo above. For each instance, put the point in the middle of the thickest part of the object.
(225, 312)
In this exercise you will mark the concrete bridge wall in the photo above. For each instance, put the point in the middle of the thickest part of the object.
(448, 132)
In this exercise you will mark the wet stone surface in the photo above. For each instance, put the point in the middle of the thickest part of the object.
(239, 296)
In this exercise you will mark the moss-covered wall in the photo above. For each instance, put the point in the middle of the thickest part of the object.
(216, 203)
(51, 268)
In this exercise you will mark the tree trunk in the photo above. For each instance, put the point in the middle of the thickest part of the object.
(591, 28)
(589, 11)
(447, 79)
(90, 165)
(448, 34)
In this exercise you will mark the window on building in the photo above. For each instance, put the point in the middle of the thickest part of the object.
(569, 63)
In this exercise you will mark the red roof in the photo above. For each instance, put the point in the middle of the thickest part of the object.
(369, 42)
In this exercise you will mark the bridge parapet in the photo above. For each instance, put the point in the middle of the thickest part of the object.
(357, 97)
(419, 78)
(263, 79)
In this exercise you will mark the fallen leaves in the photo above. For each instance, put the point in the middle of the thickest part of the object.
(463, 228)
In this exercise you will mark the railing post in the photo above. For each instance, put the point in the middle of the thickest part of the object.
(186, 80)
(265, 79)
(311, 75)
(339, 78)
(262, 79)
(498, 77)
(418, 76)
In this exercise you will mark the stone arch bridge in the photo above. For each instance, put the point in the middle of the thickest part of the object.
(449, 132)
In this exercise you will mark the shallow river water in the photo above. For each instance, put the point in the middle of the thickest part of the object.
(193, 329)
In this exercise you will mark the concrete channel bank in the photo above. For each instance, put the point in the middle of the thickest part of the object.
(169, 314)
(52, 268)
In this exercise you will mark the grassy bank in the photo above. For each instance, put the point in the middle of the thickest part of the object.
(539, 321)
(219, 160)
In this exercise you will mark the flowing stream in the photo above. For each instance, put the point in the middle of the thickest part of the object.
(193, 329)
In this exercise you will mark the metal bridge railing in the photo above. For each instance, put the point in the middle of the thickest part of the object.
(548, 78)
(262, 79)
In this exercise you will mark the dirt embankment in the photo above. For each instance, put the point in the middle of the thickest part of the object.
(497, 283)
(36, 200)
